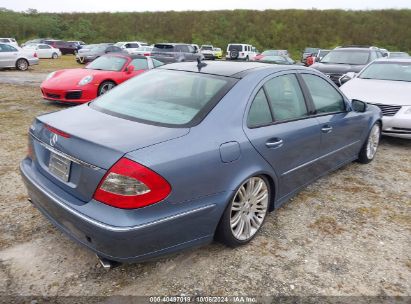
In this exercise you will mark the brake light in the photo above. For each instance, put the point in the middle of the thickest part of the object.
(147, 54)
(129, 185)
(57, 131)
(35, 55)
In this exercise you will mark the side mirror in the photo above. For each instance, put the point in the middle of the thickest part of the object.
(346, 77)
(358, 105)
(130, 69)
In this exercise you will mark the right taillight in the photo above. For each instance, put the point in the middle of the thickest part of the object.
(130, 185)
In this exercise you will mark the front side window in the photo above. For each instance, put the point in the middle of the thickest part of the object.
(7, 48)
(285, 97)
(259, 113)
(139, 64)
(172, 98)
(325, 97)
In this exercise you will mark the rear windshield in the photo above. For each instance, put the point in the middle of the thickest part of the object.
(163, 97)
(163, 48)
(353, 57)
(207, 48)
(235, 47)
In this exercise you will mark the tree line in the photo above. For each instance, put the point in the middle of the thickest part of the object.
(270, 29)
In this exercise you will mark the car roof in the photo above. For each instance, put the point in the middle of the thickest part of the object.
(223, 68)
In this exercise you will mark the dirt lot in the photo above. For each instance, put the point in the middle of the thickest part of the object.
(347, 234)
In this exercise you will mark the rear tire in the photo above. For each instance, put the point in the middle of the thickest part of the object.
(246, 212)
(105, 86)
(369, 149)
(22, 64)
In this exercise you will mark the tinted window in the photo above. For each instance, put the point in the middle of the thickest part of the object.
(235, 47)
(139, 64)
(43, 47)
(164, 97)
(163, 48)
(132, 45)
(259, 113)
(286, 98)
(325, 97)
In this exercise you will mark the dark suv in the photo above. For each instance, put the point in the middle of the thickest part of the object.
(175, 52)
(346, 59)
(63, 46)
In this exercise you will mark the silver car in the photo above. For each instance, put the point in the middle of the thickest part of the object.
(385, 83)
(13, 57)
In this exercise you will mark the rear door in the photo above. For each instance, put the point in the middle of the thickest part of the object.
(281, 130)
(341, 128)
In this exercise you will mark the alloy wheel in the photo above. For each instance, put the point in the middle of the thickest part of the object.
(373, 141)
(249, 208)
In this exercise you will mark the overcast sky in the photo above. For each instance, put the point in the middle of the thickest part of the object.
(180, 5)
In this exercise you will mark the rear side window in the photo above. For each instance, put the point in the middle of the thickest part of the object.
(139, 64)
(325, 97)
(259, 113)
(7, 48)
(170, 98)
(286, 99)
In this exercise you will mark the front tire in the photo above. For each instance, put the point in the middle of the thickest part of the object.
(105, 86)
(22, 64)
(369, 149)
(246, 212)
(54, 56)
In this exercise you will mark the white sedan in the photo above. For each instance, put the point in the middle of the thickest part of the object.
(385, 83)
(44, 50)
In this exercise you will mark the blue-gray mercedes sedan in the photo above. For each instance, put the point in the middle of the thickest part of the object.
(190, 152)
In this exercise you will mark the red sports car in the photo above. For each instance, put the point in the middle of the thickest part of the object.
(99, 76)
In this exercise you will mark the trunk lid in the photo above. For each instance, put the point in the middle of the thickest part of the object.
(96, 141)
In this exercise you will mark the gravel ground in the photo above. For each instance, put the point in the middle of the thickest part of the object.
(347, 234)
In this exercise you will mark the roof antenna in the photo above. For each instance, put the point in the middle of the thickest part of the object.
(200, 64)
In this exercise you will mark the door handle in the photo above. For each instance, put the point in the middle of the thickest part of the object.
(274, 143)
(326, 129)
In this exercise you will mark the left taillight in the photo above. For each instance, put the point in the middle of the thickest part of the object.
(35, 55)
(129, 185)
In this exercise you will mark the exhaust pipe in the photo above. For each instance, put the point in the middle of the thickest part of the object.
(107, 264)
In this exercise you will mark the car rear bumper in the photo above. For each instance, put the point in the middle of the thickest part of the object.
(134, 237)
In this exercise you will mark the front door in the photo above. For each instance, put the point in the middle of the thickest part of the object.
(281, 130)
(340, 127)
